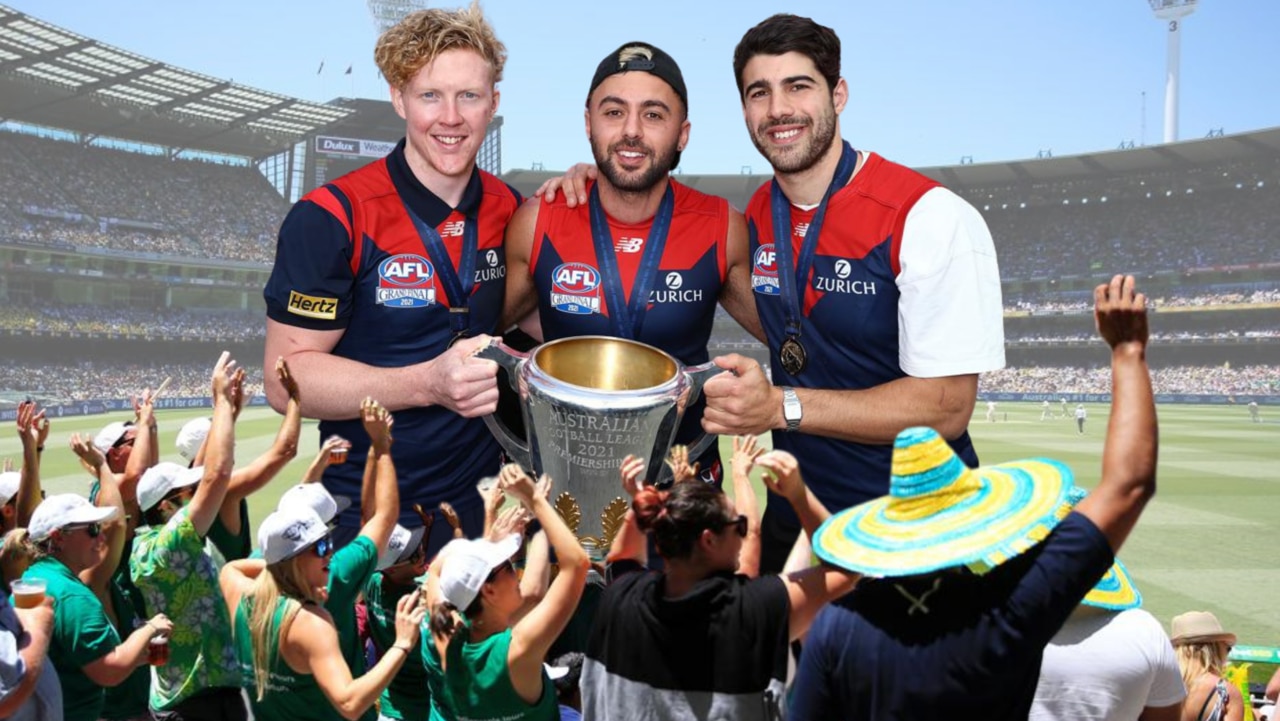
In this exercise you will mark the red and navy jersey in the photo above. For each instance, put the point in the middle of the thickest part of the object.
(349, 258)
(682, 301)
(849, 323)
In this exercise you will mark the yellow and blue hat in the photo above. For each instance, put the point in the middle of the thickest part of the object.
(1116, 590)
(940, 513)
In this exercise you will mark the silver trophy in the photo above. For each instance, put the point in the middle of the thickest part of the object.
(589, 402)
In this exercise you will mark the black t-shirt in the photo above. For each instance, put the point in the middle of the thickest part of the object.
(951, 645)
(718, 652)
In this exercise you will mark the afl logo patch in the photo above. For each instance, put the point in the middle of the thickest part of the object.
(575, 289)
(406, 281)
(764, 271)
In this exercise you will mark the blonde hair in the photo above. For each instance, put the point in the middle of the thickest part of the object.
(1197, 659)
(280, 579)
(422, 36)
(17, 553)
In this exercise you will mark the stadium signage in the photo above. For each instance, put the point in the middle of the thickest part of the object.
(353, 147)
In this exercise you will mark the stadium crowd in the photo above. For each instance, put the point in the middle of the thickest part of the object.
(60, 191)
(233, 326)
(1219, 228)
(59, 382)
(1191, 298)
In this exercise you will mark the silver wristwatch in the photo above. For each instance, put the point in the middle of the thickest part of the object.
(791, 411)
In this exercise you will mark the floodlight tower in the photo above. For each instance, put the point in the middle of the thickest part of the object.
(1172, 12)
(386, 13)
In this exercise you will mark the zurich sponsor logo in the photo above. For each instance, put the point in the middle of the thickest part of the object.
(575, 289)
(764, 271)
(406, 281)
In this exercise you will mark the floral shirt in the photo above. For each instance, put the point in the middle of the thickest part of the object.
(179, 578)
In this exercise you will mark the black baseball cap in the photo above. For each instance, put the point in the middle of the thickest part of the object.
(641, 57)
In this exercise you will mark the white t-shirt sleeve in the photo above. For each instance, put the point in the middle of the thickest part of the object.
(950, 310)
(1166, 677)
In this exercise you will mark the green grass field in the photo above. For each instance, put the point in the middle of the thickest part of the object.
(1200, 544)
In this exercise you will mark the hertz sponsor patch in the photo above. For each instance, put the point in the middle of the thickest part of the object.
(313, 306)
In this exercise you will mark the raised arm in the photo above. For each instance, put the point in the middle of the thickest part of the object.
(521, 295)
(250, 478)
(33, 430)
(315, 471)
(532, 636)
(812, 588)
(630, 543)
(335, 385)
(228, 396)
(745, 453)
(386, 492)
(311, 646)
(1129, 453)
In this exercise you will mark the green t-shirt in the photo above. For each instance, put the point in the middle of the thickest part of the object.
(478, 687)
(407, 696)
(179, 578)
(349, 571)
(129, 699)
(290, 696)
(232, 546)
(82, 634)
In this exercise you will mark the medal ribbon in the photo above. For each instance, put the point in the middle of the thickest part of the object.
(626, 319)
(792, 286)
(450, 279)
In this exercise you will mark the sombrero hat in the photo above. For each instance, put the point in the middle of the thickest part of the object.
(940, 513)
(1116, 590)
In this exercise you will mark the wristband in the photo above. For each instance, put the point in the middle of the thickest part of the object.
(402, 648)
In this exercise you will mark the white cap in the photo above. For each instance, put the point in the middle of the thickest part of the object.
(284, 534)
(467, 565)
(317, 498)
(401, 545)
(65, 509)
(9, 482)
(162, 479)
(192, 436)
(110, 435)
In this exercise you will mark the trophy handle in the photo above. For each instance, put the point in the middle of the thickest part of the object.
(510, 359)
(697, 376)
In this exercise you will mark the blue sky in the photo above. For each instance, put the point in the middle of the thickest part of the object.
(931, 81)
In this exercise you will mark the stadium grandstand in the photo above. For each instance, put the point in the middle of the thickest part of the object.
(139, 204)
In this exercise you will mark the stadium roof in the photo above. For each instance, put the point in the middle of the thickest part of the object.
(967, 179)
(54, 77)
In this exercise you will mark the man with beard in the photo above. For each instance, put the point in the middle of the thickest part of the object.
(646, 258)
(877, 288)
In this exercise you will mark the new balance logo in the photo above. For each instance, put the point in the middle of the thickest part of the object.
(452, 229)
(628, 245)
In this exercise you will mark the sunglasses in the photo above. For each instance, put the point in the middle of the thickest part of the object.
(93, 530)
(323, 547)
(505, 566)
(739, 524)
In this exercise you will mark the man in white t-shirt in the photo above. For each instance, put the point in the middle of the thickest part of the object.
(1044, 409)
(991, 411)
(1081, 414)
(1107, 666)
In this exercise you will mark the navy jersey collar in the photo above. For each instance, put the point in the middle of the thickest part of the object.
(425, 203)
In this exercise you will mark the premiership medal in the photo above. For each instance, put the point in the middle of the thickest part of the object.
(793, 356)
(793, 278)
